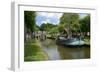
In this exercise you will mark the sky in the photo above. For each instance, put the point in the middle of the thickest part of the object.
(54, 18)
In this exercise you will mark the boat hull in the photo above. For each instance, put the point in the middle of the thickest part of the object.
(72, 42)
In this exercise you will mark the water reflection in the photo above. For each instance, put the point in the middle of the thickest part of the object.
(50, 47)
(57, 52)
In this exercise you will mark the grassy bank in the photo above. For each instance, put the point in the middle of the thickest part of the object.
(33, 51)
(87, 40)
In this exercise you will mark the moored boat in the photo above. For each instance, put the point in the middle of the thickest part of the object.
(72, 42)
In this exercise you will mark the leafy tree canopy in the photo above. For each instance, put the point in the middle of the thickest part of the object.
(85, 24)
(46, 27)
(29, 20)
(70, 21)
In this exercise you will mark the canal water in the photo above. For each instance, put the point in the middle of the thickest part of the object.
(60, 52)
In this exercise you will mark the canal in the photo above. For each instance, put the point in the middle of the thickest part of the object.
(60, 52)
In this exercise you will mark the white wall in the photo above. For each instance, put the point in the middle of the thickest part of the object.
(5, 34)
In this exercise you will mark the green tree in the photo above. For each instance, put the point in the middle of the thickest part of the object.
(54, 31)
(85, 24)
(70, 22)
(61, 28)
(29, 21)
(37, 28)
(46, 27)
